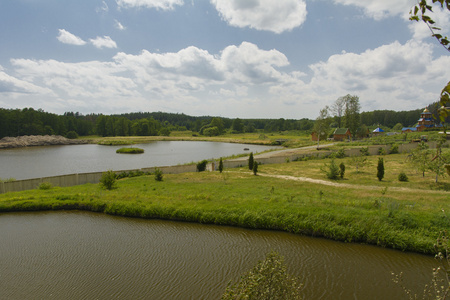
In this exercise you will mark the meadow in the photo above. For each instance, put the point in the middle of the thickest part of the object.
(295, 197)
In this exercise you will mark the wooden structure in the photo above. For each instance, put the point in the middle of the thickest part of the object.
(342, 134)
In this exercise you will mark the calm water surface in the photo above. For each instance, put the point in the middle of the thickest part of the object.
(80, 255)
(35, 162)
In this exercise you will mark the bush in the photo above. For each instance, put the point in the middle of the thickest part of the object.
(364, 151)
(340, 153)
(267, 280)
(380, 169)
(341, 170)
(72, 135)
(402, 177)
(108, 180)
(158, 175)
(381, 151)
(45, 186)
(220, 165)
(332, 170)
(201, 166)
(394, 149)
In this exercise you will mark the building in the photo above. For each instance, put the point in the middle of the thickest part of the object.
(342, 134)
(377, 131)
(426, 121)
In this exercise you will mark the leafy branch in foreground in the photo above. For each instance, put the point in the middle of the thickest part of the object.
(267, 280)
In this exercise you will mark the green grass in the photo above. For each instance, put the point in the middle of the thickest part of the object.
(364, 211)
(130, 150)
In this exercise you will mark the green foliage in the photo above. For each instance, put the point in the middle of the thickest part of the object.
(394, 149)
(221, 165)
(130, 150)
(341, 170)
(250, 161)
(268, 280)
(45, 186)
(402, 177)
(201, 166)
(108, 180)
(381, 151)
(380, 169)
(72, 135)
(158, 175)
(331, 170)
(255, 168)
(364, 151)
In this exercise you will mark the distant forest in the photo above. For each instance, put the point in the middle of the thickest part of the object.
(28, 121)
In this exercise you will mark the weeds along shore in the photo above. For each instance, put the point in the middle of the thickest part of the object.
(405, 216)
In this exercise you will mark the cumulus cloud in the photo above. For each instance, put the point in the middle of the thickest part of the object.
(269, 15)
(12, 85)
(157, 4)
(379, 9)
(66, 37)
(103, 42)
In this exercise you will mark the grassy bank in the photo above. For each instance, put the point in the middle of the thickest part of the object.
(400, 215)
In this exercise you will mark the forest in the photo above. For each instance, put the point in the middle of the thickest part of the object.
(28, 121)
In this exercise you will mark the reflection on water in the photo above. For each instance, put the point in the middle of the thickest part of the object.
(35, 162)
(81, 255)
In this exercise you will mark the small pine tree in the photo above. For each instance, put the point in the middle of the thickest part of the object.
(255, 167)
(220, 165)
(250, 161)
(380, 169)
(341, 170)
(158, 175)
(332, 171)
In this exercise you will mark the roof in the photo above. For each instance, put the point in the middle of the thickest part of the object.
(409, 128)
(378, 130)
(341, 131)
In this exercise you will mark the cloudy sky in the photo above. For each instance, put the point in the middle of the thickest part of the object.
(229, 58)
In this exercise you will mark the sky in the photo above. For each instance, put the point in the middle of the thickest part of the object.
(228, 58)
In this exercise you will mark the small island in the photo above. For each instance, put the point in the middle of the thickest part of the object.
(130, 150)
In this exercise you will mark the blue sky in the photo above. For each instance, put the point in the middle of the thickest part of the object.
(229, 58)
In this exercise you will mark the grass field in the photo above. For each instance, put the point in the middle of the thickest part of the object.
(359, 208)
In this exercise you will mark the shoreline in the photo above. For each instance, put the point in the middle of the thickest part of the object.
(37, 140)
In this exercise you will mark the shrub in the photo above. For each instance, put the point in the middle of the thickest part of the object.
(45, 186)
(201, 166)
(332, 170)
(340, 153)
(381, 151)
(108, 180)
(402, 177)
(158, 175)
(394, 149)
(380, 169)
(267, 280)
(220, 165)
(364, 151)
(341, 170)
(255, 167)
(72, 135)
(250, 161)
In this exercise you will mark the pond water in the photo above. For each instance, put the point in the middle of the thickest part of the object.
(35, 162)
(81, 255)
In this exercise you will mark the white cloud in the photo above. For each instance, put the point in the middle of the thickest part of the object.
(103, 42)
(275, 16)
(119, 25)
(11, 85)
(158, 4)
(66, 37)
(103, 9)
(379, 9)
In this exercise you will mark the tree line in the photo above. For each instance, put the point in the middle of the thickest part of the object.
(28, 121)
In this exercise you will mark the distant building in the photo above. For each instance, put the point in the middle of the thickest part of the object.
(425, 121)
(409, 129)
(378, 131)
(342, 134)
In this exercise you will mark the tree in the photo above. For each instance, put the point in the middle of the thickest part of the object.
(341, 170)
(255, 167)
(380, 169)
(338, 109)
(220, 165)
(108, 180)
(331, 170)
(322, 125)
(420, 13)
(268, 280)
(352, 119)
(238, 125)
(358, 161)
(158, 174)
(250, 161)
(420, 157)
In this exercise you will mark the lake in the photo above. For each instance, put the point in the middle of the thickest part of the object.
(35, 162)
(82, 255)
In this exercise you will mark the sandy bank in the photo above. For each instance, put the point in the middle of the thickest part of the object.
(37, 140)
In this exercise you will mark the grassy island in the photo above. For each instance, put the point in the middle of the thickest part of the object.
(295, 197)
(130, 150)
